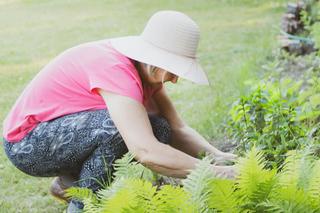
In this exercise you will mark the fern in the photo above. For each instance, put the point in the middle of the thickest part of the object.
(197, 184)
(293, 197)
(81, 193)
(140, 196)
(170, 199)
(314, 184)
(127, 168)
(296, 170)
(294, 189)
(223, 197)
(121, 166)
(265, 188)
(134, 196)
(85, 195)
(284, 206)
(292, 193)
(105, 194)
(254, 182)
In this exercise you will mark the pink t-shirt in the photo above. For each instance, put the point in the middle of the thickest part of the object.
(69, 84)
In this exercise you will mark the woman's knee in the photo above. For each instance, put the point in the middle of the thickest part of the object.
(161, 128)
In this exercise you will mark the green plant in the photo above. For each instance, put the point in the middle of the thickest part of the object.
(295, 188)
(315, 33)
(140, 194)
(126, 167)
(309, 102)
(310, 18)
(267, 119)
(197, 184)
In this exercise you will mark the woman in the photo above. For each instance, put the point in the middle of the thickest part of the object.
(96, 101)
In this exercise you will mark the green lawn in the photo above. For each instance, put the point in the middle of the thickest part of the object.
(236, 37)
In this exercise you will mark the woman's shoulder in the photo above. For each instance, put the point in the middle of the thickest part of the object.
(93, 54)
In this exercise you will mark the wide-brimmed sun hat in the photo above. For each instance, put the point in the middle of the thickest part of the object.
(169, 41)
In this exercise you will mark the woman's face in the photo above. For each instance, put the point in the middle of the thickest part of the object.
(156, 75)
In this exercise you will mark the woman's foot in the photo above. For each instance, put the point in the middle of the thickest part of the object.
(58, 187)
(75, 207)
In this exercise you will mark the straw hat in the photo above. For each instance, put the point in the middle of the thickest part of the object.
(169, 41)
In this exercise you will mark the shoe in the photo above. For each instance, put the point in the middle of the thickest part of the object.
(75, 207)
(58, 188)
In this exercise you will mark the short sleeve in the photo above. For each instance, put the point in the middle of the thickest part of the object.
(120, 79)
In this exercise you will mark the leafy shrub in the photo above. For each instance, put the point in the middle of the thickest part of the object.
(268, 119)
(296, 188)
(310, 18)
(315, 33)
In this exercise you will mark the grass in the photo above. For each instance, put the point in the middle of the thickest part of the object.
(236, 37)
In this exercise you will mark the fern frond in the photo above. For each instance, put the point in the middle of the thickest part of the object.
(285, 206)
(105, 194)
(197, 184)
(85, 195)
(121, 165)
(296, 170)
(141, 196)
(314, 184)
(264, 191)
(265, 188)
(90, 207)
(81, 194)
(122, 200)
(127, 168)
(254, 182)
(222, 197)
(294, 197)
(145, 192)
(298, 180)
(170, 199)
(134, 196)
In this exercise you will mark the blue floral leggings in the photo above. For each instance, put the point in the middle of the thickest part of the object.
(81, 145)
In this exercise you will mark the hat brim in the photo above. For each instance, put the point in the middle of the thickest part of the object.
(136, 48)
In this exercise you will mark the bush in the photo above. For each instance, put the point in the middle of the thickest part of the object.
(277, 116)
(268, 119)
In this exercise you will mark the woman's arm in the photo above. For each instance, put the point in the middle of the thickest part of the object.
(184, 137)
(131, 119)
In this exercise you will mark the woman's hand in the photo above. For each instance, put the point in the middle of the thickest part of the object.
(225, 172)
(223, 158)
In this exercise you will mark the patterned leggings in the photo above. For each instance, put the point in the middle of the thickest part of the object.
(81, 145)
